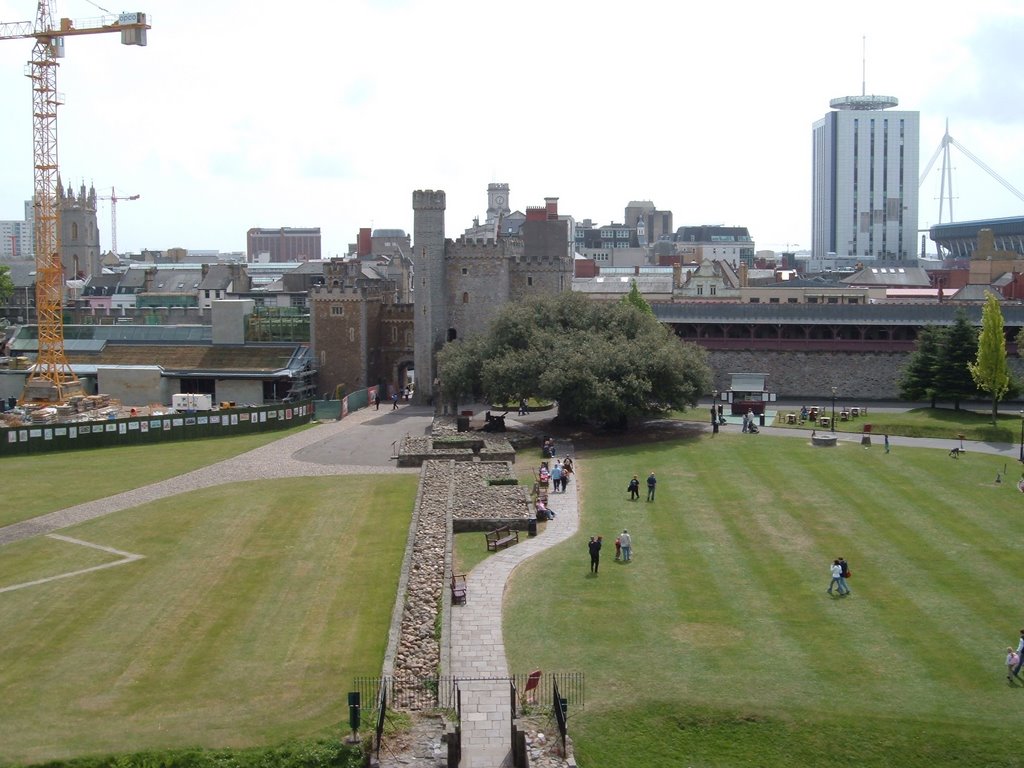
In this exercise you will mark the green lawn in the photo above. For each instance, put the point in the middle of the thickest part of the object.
(38, 484)
(718, 645)
(945, 423)
(244, 624)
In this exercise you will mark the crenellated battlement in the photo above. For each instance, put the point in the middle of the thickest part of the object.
(428, 200)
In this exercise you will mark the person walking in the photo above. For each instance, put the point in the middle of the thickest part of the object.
(844, 574)
(634, 489)
(1020, 655)
(376, 401)
(618, 547)
(595, 553)
(394, 401)
(837, 578)
(1012, 657)
(556, 476)
(651, 482)
(886, 438)
(627, 546)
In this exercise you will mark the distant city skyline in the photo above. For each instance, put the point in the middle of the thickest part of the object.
(235, 116)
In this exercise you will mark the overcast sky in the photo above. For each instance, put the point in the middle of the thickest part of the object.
(329, 114)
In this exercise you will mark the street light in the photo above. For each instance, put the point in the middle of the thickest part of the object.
(1022, 436)
(833, 409)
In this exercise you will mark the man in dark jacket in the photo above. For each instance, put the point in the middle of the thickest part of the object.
(595, 553)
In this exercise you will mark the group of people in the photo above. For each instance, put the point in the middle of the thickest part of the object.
(403, 394)
(557, 475)
(634, 487)
(840, 573)
(623, 549)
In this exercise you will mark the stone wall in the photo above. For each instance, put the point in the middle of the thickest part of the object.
(855, 375)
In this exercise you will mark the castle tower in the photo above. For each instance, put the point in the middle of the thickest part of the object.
(79, 233)
(430, 291)
(497, 203)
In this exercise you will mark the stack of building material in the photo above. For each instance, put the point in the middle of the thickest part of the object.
(64, 412)
(44, 415)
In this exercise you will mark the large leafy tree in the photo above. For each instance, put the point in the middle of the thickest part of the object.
(990, 370)
(953, 380)
(918, 379)
(6, 284)
(602, 362)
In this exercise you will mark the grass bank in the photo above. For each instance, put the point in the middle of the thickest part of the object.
(254, 606)
(718, 645)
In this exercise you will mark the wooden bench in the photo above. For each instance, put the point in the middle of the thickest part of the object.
(500, 538)
(458, 588)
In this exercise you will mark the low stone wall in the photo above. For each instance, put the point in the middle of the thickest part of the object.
(454, 495)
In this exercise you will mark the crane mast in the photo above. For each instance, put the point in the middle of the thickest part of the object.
(113, 198)
(52, 380)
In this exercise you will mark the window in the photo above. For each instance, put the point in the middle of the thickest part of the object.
(792, 300)
(812, 299)
(74, 230)
(755, 300)
(337, 310)
(773, 300)
(833, 299)
(465, 270)
(465, 298)
(298, 301)
(700, 290)
(529, 280)
(352, 334)
(394, 333)
(714, 290)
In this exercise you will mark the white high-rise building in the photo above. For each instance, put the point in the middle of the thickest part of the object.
(866, 161)
(17, 240)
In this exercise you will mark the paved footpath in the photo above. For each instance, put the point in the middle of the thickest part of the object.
(475, 650)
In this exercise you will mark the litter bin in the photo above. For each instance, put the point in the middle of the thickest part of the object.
(462, 423)
(867, 427)
(760, 419)
(531, 527)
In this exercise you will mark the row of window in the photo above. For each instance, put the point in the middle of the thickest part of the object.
(810, 300)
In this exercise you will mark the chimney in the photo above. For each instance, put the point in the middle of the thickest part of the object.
(677, 275)
(364, 245)
(551, 204)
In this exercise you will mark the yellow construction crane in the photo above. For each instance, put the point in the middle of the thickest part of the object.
(113, 198)
(52, 380)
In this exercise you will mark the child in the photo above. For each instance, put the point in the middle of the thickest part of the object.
(1011, 661)
(618, 547)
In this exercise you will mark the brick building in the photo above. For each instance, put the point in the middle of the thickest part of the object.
(283, 244)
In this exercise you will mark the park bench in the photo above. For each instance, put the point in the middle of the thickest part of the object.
(458, 588)
(500, 538)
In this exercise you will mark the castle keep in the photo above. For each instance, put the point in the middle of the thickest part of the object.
(460, 285)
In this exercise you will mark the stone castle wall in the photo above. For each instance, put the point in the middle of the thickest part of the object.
(860, 375)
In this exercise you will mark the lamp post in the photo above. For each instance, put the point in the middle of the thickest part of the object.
(1022, 436)
(833, 410)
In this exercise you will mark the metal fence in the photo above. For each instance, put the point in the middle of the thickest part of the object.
(441, 692)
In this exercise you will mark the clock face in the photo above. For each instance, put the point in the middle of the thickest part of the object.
(499, 200)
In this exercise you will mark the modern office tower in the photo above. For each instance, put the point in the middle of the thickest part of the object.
(866, 160)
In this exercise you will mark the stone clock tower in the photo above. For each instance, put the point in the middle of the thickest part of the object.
(497, 202)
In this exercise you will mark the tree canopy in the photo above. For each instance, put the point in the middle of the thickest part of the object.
(602, 362)
(990, 370)
(940, 366)
(6, 284)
